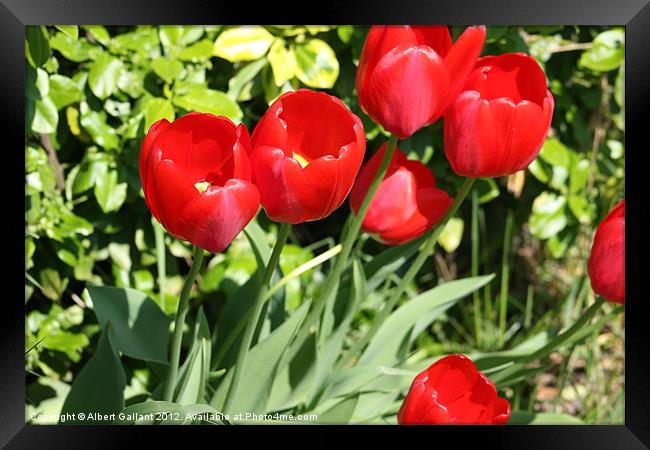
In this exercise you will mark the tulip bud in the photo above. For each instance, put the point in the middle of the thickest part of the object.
(408, 76)
(453, 391)
(607, 261)
(407, 202)
(307, 150)
(498, 123)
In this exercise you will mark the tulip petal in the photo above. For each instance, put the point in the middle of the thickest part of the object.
(460, 60)
(214, 218)
(286, 195)
(146, 158)
(332, 179)
(154, 131)
(453, 391)
(380, 40)
(193, 143)
(173, 192)
(517, 76)
(432, 204)
(314, 130)
(606, 265)
(436, 37)
(406, 88)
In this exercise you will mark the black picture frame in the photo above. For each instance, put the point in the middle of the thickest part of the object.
(633, 14)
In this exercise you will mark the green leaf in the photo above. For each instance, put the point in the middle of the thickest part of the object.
(487, 189)
(103, 75)
(580, 329)
(157, 108)
(244, 43)
(341, 413)
(548, 218)
(560, 158)
(451, 235)
(47, 410)
(555, 153)
(619, 87)
(397, 333)
(345, 33)
(283, 62)
(98, 32)
(70, 30)
(616, 148)
(200, 51)
(538, 171)
(109, 193)
(37, 45)
(167, 69)
(174, 37)
(389, 261)
(530, 418)
(581, 208)
(210, 101)
(607, 53)
(99, 386)
(76, 50)
(119, 253)
(46, 116)
(63, 91)
(131, 83)
(193, 374)
(244, 76)
(67, 342)
(93, 166)
(579, 175)
(261, 367)
(94, 123)
(141, 329)
(316, 64)
(144, 41)
(52, 286)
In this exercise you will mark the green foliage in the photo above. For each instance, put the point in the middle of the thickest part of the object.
(141, 328)
(101, 282)
(98, 388)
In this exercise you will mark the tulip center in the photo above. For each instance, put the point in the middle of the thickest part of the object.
(211, 179)
(301, 159)
(202, 186)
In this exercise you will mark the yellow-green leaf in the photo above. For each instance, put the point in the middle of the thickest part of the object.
(316, 64)
(244, 43)
(283, 62)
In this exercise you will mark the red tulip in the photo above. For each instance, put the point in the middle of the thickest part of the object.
(307, 150)
(407, 203)
(498, 124)
(407, 76)
(607, 261)
(452, 391)
(196, 177)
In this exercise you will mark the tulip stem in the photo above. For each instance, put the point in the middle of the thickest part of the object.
(330, 285)
(255, 312)
(427, 248)
(181, 312)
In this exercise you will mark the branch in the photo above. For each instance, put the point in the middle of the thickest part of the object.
(46, 142)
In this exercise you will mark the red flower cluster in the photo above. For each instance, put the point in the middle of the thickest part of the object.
(204, 179)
